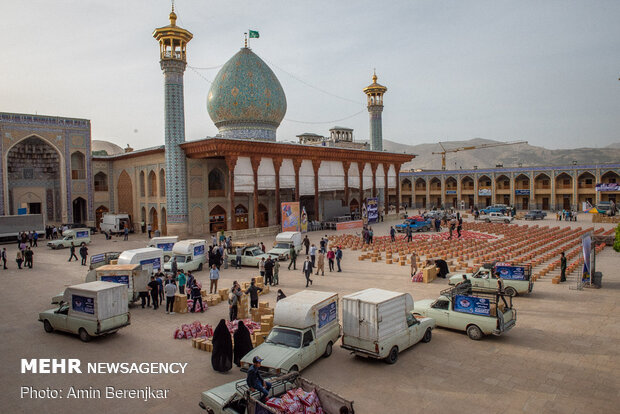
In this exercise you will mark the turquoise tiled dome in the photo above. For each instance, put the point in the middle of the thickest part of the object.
(246, 99)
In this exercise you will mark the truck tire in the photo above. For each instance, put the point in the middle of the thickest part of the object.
(488, 220)
(474, 332)
(426, 229)
(427, 335)
(48, 326)
(200, 267)
(392, 356)
(328, 350)
(510, 291)
(84, 336)
(507, 221)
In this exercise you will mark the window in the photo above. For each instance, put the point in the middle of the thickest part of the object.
(152, 184)
(545, 182)
(162, 183)
(441, 304)
(566, 182)
(307, 338)
(142, 184)
(612, 180)
(588, 181)
(78, 166)
(101, 182)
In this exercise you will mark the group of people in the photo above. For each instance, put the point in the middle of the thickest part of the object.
(566, 215)
(29, 238)
(83, 253)
(270, 270)
(25, 254)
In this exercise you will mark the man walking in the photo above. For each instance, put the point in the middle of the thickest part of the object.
(338, 257)
(307, 270)
(28, 254)
(321, 264)
(149, 229)
(196, 296)
(72, 251)
(3, 256)
(306, 243)
(409, 231)
(174, 266)
(330, 259)
(323, 244)
(563, 267)
(153, 288)
(126, 232)
(393, 233)
(313, 255)
(170, 289)
(35, 237)
(83, 253)
(233, 300)
(238, 252)
(253, 292)
(459, 227)
(214, 276)
(276, 272)
(269, 271)
(293, 255)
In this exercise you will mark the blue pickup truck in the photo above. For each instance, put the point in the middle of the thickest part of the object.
(494, 209)
(415, 224)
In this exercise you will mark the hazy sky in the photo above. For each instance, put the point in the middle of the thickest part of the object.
(539, 70)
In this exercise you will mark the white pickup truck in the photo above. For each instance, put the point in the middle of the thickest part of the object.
(379, 324)
(495, 217)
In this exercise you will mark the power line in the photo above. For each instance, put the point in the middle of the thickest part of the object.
(206, 68)
(324, 122)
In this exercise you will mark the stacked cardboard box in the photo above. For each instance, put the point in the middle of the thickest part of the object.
(180, 303)
(203, 344)
(223, 294)
(262, 310)
(212, 300)
(266, 323)
(243, 306)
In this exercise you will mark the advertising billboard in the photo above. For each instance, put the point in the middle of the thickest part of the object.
(472, 304)
(304, 220)
(83, 304)
(327, 314)
(608, 187)
(511, 272)
(372, 209)
(124, 279)
(484, 192)
(290, 216)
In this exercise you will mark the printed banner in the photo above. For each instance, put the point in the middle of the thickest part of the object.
(83, 304)
(290, 216)
(345, 225)
(522, 192)
(484, 192)
(82, 234)
(451, 192)
(472, 304)
(156, 262)
(327, 314)
(97, 258)
(304, 220)
(608, 187)
(124, 279)
(511, 272)
(167, 247)
(372, 209)
(199, 250)
(586, 243)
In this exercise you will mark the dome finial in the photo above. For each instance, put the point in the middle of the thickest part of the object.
(374, 75)
(173, 16)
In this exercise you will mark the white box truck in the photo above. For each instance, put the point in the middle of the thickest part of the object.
(89, 309)
(165, 243)
(115, 223)
(379, 324)
(131, 275)
(284, 241)
(306, 328)
(189, 255)
(71, 236)
(150, 258)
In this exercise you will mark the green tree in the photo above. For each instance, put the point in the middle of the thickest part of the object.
(617, 241)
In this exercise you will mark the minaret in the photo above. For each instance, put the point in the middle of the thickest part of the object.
(374, 92)
(172, 44)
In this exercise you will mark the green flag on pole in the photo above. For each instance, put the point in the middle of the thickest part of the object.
(254, 34)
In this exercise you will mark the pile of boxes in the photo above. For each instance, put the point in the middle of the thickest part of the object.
(264, 315)
(203, 344)
(180, 303)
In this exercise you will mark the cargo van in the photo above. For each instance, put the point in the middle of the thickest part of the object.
(165, 243)
(306, 328)
(284, 241)
(189, 255)
(131, 275)
(75, 236)
(150, 258)
(115, 223)
(89, 309)
(379, 324)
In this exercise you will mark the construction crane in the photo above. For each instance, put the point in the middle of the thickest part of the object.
(472, 147)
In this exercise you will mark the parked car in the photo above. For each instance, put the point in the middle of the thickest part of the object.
(477, 313)
(189, 255)
(494, 209)
(79, 226)
(282, 247)
(415, 224)
(306, 327)
(605, 207)
(75, 236)
(251, 256)
(495, 217)
(535, 215)
(379, 324)
(516, 278)
(89, 309)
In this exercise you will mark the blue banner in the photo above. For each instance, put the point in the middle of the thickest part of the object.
(22, 211)
(124, 279)
(372, 209)
(82, 234)
(522, 192)
(451, 192)
(472, 304)
(199, 250)
(97, 258)
(83, 304)
(156, 262)
(586, 245)
(327, 314)
(511, 272)
(167, 247)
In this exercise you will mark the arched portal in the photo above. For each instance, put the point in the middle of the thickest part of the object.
(101, 210)
(216, 183)
(241, 217)
(263, 216)
(153, 219)
(152, 184)
(217, 219)
(124, 191)
(34, 178)
(79, 210)
(164, 222)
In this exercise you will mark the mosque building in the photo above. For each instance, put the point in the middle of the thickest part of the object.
(233, 181)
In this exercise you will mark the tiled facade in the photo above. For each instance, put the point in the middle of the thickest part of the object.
(541, 187)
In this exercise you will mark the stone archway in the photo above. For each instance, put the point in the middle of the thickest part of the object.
(124, 190)
(164, 222)
(263, 216)
(153, 219)
(101, 210)
(79, 210)
(241, 217)
(217, 219)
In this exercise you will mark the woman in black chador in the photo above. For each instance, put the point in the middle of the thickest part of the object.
(221, 358)
(243, 343)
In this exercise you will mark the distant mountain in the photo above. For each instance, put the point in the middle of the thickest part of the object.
(508, 156)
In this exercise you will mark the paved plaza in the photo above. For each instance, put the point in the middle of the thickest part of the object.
(561, 357)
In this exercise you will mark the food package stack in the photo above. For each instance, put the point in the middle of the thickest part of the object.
(213, 300)
(259, 280)
(203, 293)
(266, 323)
(258, 338)
(265, 290)
(223, 294)
(429, 274)
(242, 307)
(245, 286)
(180, 303)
